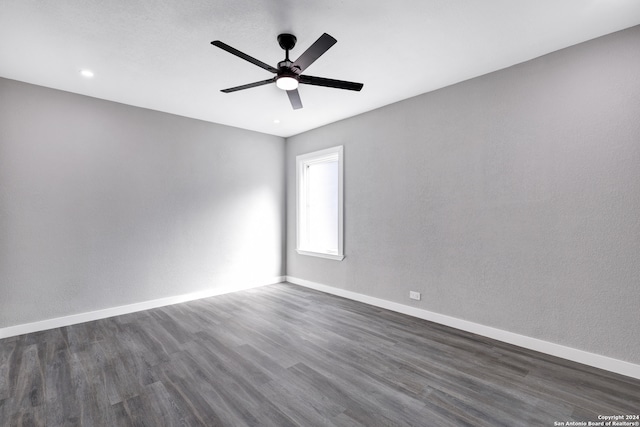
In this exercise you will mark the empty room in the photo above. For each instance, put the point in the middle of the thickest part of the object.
(319, 213)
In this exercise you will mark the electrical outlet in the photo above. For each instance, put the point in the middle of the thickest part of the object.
(414, 295)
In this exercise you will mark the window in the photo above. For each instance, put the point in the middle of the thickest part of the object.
(319, 203)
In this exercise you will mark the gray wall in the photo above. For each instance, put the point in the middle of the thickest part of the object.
(103, 204)
(511, 200)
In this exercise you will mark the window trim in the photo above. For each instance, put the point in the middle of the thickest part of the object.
(302, 161)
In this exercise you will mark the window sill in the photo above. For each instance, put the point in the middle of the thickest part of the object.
(321, 255)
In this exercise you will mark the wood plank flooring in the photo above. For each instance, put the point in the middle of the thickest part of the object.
(283, 355)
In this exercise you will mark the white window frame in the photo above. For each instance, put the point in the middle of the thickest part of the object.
(302, 162)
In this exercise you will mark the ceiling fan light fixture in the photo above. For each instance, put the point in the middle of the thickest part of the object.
(287, 83)
(289, 75)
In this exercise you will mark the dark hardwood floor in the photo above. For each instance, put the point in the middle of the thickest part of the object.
(283, 355)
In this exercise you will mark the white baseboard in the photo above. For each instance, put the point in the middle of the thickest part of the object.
(125, 309)
(580, 356)
(575, 355)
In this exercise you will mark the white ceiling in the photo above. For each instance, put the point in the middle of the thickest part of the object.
(157, 54)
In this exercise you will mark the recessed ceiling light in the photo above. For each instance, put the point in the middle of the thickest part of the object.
(276, 121)
(86, 73)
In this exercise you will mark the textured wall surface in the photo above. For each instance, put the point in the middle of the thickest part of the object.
(511, 200)
(103, 204)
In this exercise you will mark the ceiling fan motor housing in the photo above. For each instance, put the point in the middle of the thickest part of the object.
(287, 66)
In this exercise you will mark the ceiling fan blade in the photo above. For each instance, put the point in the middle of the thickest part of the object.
(248, 86)
(314, 52)
(294, 97)
(338, 84)
(244, 56)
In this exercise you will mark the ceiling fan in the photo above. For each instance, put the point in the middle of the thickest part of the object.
(289, 74)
